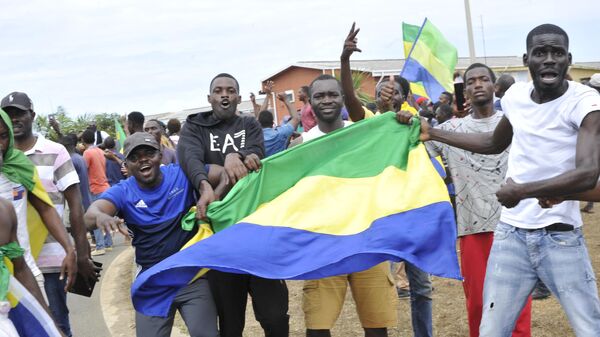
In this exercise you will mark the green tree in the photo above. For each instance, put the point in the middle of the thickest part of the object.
(104, 122)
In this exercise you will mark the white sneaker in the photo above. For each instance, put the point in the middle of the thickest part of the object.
(97, 252)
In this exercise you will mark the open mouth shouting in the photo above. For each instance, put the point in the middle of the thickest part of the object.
(549, 77)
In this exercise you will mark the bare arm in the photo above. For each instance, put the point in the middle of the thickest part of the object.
(84, 264)
(493, 142)
(102, 214)
(581, 179)
(57, 230)
(355, 109)
(255, 106)
(267, 89)
(21, 270)
(293, 113)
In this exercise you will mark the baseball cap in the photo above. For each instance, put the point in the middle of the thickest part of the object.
(421, 100)
(18, 100)
(139, 139)
(595, 80)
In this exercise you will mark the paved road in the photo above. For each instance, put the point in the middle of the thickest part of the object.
(86, 313)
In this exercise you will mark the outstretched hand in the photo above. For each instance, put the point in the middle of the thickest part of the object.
(350, 44)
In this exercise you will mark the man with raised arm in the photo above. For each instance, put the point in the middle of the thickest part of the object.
(553, 127)
(390, 96)
(277, 137)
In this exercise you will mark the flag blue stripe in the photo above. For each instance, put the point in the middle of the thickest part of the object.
(26, 323)
(413, 71)
(425, 237)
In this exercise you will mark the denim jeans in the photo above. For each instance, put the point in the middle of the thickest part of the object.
(420, 301)
(560, 259)
(102, 240)
(57, 299)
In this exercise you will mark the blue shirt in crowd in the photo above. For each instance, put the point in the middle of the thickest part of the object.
(154, 215)
(84, 182)
(276, 138)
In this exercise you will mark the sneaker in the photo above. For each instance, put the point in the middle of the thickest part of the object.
(109, 249)
(97, 252)
(403, 293)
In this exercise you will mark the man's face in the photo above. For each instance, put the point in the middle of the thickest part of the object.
(302, 95)
(153, 128)
(224, 97)
(479, 86)
(443, 99)
(22, 121)
(327, 100)
(548, 59)
(92, 126)
(4, 139)
(397, 99)
(144, 164)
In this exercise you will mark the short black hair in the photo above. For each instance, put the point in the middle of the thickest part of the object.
(109, 143)
(88, 136)
(324, 77)
(449, 95)
(404, 84)
(173, 125)
(546, 28)
(480, 65)
(445, 110)
(265, 119)
(67, 141)
(136, 118)
(237, 85)
(304, 89)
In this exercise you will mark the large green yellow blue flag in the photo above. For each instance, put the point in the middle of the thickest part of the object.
(431, 59)
(339, 204)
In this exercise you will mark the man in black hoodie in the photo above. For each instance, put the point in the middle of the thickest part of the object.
(221, 137)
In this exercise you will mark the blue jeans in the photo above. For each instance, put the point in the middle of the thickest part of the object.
(57, 299)
(420, 301)
(102, 241)
(560, 259)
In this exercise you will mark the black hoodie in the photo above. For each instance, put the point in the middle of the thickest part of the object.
(205, 139)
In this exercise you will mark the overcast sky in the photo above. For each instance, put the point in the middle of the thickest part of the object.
(159, 56)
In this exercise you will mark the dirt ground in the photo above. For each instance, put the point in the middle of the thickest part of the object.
(449, 313)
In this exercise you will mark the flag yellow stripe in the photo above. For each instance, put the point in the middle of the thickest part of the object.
(437, 69)
(349, 205)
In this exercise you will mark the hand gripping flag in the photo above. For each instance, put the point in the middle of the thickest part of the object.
(339, 204)
(431, 59)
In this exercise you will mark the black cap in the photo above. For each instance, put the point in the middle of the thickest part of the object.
(139, 139)
(18, 100)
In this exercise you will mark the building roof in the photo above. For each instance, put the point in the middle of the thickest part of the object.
(386, 67)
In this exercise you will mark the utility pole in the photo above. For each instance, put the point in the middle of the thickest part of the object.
(470, 32)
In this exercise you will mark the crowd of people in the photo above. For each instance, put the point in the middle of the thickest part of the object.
(518, 156)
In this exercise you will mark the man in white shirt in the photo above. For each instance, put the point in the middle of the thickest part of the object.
(553, 127)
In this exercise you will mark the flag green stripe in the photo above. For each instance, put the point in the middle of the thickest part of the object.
(409, 35)
(364, 149)
(434, 40)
